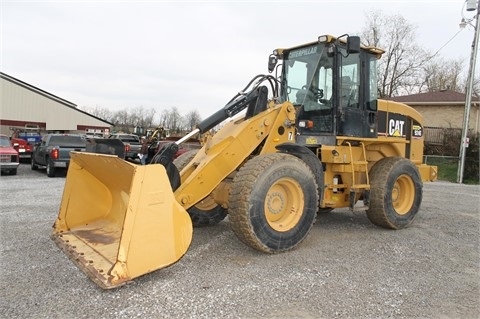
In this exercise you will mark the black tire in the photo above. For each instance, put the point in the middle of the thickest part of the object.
(206, 212)
(395, 193)
(324, 210)
(182, 161)
(51, 171)
(33, 164)
(273, 202)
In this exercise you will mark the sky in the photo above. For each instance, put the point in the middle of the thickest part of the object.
(193, 55)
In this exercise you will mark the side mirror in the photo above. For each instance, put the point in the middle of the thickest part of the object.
(272, 62)
(353, 44)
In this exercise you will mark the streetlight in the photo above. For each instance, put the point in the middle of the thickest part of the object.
(468, 99)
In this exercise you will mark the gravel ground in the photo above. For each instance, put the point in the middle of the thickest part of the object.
(346, 268)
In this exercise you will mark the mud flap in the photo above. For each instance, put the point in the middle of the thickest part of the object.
(119, 220)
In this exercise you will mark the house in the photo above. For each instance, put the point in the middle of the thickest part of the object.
(443, 109)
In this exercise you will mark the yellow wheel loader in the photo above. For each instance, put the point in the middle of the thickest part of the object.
(309, 137)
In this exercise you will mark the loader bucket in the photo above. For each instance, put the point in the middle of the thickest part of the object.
(119, 220)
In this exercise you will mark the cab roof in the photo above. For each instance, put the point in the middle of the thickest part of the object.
(330, 39)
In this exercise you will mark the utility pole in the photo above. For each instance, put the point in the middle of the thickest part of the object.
(468, 93)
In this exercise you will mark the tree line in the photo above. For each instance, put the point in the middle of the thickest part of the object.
(405, 68)
(127, 119)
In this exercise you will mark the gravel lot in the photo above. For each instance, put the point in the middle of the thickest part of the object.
(346, 268)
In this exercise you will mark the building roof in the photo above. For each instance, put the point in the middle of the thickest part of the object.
(443, 96)
(48, 95)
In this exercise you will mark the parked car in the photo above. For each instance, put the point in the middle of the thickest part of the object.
(23, 139)
(132, 144)
(53, 151)
(23, 147)
(9, 159)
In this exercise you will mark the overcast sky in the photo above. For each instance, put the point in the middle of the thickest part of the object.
(194, 55)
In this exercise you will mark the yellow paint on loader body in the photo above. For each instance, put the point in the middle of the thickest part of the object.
(118, 220)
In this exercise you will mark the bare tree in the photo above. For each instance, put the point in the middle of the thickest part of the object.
(172, 120)
(121, 120)
(402, 63)
(192, 118)
(141, 117)
(441, 74)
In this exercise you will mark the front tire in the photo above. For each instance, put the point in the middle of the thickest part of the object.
(206, 212)
(33, 164)
(395, 193)
(273, 202)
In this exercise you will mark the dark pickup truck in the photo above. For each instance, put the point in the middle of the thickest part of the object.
(132, 144)
(54, 151)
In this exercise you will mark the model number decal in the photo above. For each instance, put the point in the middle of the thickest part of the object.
(417, 131)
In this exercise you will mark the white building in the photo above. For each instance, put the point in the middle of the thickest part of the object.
(22, 104)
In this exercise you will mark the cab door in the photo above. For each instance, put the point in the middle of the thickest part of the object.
(356, 106)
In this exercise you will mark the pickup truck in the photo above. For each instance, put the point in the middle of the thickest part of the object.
(9, 160)
(23, 140)
(23, 147)
(132, 144)
(53, 151)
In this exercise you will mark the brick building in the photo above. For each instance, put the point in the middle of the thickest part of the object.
(443, 109)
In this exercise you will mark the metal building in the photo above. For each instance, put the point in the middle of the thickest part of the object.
(22, 104)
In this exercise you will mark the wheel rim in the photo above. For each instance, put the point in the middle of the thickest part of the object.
(284, 204)
(206, 204)
(403, 194)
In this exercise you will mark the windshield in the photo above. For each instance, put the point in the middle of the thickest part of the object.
(67, 141)
(4, 141)
(309, 77)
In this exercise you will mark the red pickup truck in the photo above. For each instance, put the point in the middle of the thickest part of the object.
(24, 148)
(9, 159)
(24, 138)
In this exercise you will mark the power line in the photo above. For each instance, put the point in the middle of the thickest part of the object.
(455, 35)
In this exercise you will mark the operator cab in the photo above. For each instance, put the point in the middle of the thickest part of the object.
(333, 85)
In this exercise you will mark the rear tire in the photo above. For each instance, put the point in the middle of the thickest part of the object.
(206, 212)
(51, 172)
(273, 202)
(395, 193)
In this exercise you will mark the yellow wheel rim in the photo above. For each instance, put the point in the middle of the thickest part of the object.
(284, 204)
(403, 194)
(206, 204)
